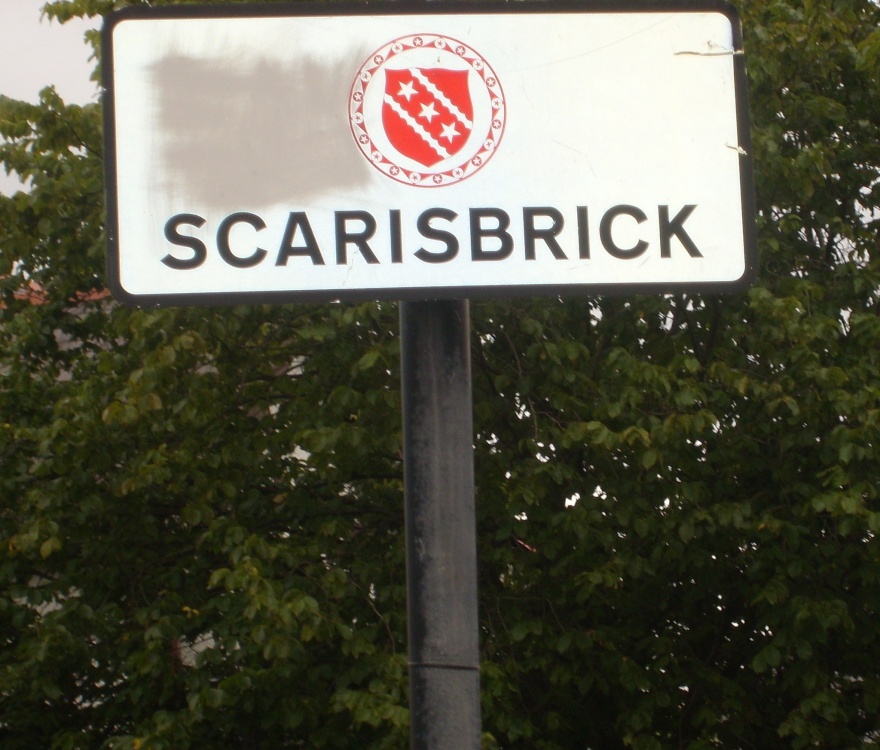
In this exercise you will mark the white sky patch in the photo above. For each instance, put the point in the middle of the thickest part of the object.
(36, 52)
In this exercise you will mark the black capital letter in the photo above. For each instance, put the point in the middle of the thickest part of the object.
(396, 236)
(223, 248)
(478, 232)
(668, 229)
(531, 233)
(343, 236)
(200, 252)
(583, 234)
(298, 219)
(441, 235)
(608, 241)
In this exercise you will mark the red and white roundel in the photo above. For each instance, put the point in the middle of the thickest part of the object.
(427, 110)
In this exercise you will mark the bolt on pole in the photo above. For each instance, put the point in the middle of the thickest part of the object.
(441, 550)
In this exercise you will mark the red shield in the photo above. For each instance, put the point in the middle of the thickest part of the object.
(427, 112)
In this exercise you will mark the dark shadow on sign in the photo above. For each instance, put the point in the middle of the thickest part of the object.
(267, 135)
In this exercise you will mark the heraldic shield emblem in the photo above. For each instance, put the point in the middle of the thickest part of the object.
(427, 110)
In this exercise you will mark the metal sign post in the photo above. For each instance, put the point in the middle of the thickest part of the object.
(441, 550)
(316, 151)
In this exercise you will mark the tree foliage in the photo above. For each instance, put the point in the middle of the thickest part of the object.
(201, 510)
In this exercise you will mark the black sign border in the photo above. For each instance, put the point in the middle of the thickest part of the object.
(307, 8)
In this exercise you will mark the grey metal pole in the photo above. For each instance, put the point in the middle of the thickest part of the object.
(441, 551)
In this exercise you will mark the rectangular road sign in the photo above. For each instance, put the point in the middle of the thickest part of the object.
(315, 151)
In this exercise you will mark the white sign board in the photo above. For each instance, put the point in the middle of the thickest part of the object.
(312, 151)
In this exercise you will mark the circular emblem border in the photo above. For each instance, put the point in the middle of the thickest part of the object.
(474, 160)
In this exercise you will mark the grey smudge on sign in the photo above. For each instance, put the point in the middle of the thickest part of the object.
(234, 138)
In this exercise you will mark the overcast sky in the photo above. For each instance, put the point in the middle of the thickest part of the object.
(35, 53)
